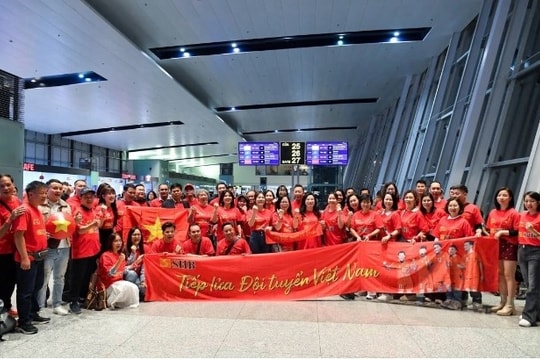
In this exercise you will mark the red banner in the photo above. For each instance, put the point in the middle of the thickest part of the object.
(150, 220)
(314, 273)
(309, 230)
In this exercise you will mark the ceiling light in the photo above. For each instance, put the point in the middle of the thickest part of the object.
(340, 42)
(394, 39)
(236, 50)
(233, 45)
(396, 33)
(186, 54)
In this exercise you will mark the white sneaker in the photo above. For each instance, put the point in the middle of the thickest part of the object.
(524, 323)
(384, 297)
(59, 310)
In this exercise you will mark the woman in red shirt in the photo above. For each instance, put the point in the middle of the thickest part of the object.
(269, 199)
(333, 223)
(201, 213)
(258, 219)
(454, 225)
(431, 214)
(413, 225)
(284, 222)
(389, 218)
(310, 215)
(107, 211)
(529, 257)
(112, 263)
(503, 225)
(227, 213)
(364, 222)
(135, 250)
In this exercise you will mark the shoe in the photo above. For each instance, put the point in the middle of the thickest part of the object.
(27, 329)
(361, 293)
(384, 297)
(371, 296)
(497, 308)
(75, 308)
(475, 306)
(524, 323)
(60, 310)
(348, 296)
(522, 295)
(451, 304)
(507, 310)
(13, 312)
(37, 319)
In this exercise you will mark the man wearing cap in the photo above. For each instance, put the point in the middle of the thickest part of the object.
(84, 249)
(189, 194)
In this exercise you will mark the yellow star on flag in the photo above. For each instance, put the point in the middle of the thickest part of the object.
(155, 231)
(61, 224)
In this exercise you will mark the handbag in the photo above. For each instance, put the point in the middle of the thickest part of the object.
(96, 299)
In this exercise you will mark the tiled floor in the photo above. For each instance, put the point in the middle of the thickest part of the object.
(329, 327)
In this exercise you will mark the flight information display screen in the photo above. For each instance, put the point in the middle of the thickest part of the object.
(293, 152)
(327, 153)
(258, 153)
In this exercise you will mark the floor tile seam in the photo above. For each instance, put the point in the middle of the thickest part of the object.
(235, 320)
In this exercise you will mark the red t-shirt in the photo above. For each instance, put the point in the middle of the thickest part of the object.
(32, 223)
(389, 222)
(225, 215)
(202, 217)
(157, 202)
(365, 223)
(240, 247)
(7, 244)
(262, 219)
(74, 202)
(504, 220)
(85, 244)
(441, 204)
(333, 235)
(472, 214)
(106, 263)
(206, 247)
(412, 223)
(525, 236)
(160, 246)
(452, 228)
(310, 242)
(433, 218)
(287, 226)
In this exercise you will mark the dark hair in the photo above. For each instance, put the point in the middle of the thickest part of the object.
(535, 196)
(278, 204)
(176, 185)
(151, 192)
(386, 185)
(34, 186)
(228, 223)
(222, 196)
(107, 189)
(129, 241)
(395, 201)
(342, 202)
(461, 188)
(364, 197)
(273, 196)
(421, 181)
(166, 225)
(53, 181)
(461, 206)
(423, 210)
(316, 210)
(415, 194)
(129, 186)
(243, 197)
(110, 240)
(511, 204)
(348, 202)
(281, 187)
(363, 190)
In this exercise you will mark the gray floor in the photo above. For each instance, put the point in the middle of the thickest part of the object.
(329, 327)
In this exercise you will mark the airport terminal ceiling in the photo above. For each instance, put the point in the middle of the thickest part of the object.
(188, 80)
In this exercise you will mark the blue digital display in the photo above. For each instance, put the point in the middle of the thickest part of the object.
(327, 153)
(258, 153)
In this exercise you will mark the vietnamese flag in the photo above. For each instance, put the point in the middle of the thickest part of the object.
(150, 220)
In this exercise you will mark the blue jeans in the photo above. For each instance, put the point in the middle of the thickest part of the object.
(529, 263)
(257, 242)
(29, 282)
(132, 276)
(56, 263)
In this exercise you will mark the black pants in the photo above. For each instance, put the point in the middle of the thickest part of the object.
(29, 283)
(104, 235)
(8, 278)
(257, 243)
(81, 271)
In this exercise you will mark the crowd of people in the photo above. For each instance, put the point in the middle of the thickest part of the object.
(234, 224)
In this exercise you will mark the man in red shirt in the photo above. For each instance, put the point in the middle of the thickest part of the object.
(163, 195)
(128, 200)
(168, 244)
(198, 244)
(10, 208)
(30, 237)
(471, 212)
(298, 194)
(175, 201)
(140, 195)
(435, 189)
(232, 244)
(75, 200)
